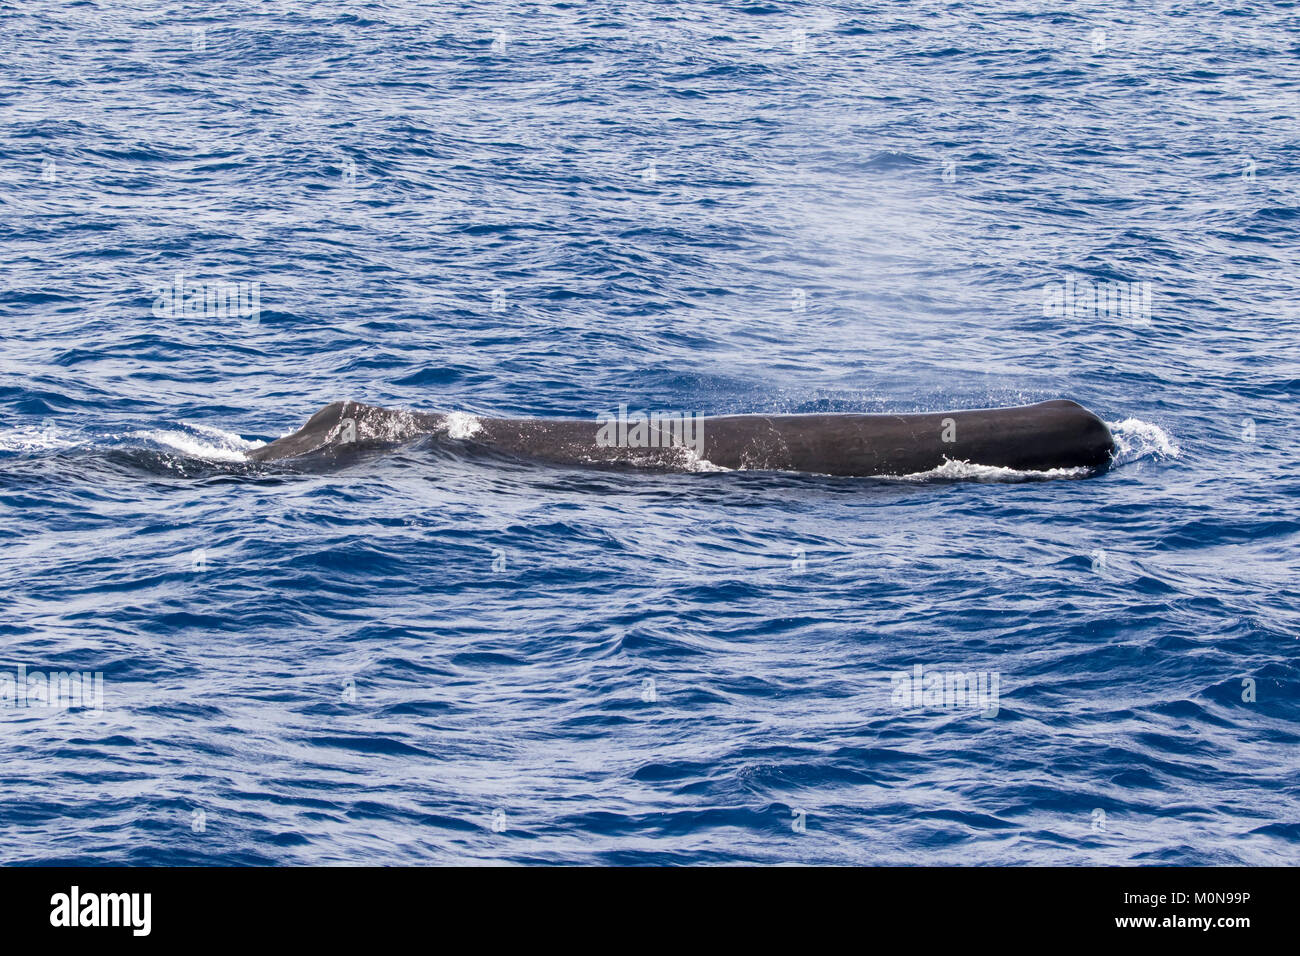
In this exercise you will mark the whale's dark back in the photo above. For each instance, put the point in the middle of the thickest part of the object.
(1048, 435)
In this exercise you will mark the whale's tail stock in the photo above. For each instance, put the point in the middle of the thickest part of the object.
(1057, 434)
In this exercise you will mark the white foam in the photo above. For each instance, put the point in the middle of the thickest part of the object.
(211, 444)
(1136, 439)
(227, 438)
(688, 459)
(695, 463)
(953, 470)
(462, 425)
(26, 438)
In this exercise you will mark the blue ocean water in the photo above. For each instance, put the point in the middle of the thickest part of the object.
(555, 208)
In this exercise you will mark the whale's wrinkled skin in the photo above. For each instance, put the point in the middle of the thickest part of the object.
(1049, 435)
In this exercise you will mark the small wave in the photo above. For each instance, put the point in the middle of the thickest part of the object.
(1136, 439)
(200, 441)
(697, 464)
(190, 439)
(688, 459)
(28, 438)
(952, 470)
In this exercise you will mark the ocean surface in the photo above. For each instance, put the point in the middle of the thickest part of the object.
(518, 209)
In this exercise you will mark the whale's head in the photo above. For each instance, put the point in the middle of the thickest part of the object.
(1083, 439)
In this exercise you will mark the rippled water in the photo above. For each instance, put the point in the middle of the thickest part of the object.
(552, 209)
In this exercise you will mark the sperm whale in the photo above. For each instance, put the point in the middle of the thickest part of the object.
(1040, 437)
